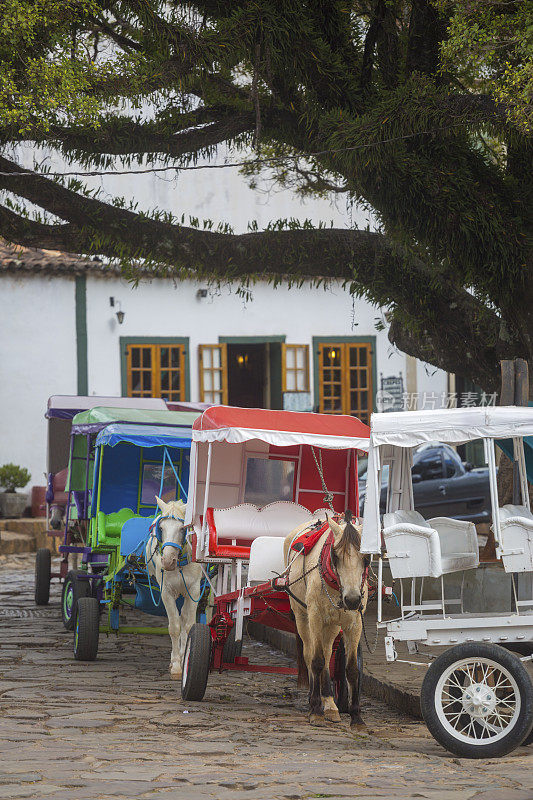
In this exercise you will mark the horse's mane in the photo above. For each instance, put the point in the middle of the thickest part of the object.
(177, 509)
(351, 536)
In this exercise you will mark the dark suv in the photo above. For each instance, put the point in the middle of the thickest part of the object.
(443, 485)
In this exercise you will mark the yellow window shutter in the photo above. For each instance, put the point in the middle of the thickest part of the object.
(213, 373)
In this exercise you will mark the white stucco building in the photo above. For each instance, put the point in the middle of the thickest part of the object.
(302, 348)
(59, 334)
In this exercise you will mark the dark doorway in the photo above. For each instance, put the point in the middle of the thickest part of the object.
(254, 375)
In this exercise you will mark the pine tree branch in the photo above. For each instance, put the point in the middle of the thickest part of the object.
(122, 136)
(466, 345)
(426, 32)
(30, 233)
(123, 41)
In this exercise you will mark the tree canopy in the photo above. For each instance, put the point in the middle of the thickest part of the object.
(421, 110)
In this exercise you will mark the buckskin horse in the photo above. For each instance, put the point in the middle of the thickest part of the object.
(328, 594)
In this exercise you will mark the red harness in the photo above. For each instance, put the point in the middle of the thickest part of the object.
(308, 539)
(327, 570)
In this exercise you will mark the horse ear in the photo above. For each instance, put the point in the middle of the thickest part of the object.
(161, 504)
(337, 530)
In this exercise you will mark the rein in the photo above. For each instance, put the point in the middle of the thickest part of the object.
(183, 560)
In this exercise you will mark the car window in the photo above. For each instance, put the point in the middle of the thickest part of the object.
(450, 467)
(429, 466)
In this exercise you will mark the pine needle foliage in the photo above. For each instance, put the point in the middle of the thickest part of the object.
(421, 110)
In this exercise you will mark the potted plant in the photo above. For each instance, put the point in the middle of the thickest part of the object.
(12, 478)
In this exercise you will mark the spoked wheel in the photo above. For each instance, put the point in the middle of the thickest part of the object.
(477, 700)
(74, 587)
(87, 630)
(196, 662)
(43, 575)
(231, 648)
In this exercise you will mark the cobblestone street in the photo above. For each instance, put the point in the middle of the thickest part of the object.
(116, 728)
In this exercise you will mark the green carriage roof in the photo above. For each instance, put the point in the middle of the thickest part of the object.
(102, 415)
(95, 419)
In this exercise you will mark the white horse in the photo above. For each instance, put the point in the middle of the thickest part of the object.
(167, 545)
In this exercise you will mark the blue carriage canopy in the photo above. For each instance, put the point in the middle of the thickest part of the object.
(140, 462)
(145, 436)
(89, 423)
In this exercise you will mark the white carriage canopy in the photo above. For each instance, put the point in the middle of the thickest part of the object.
(226, 438)
(395, 435)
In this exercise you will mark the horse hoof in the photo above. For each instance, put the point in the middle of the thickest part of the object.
(175, 676)
(317, 719)
(332, 715)
(358, 727)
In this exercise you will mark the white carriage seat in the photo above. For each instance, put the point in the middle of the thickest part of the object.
(266, 552)
(266, 559)
(245, 522)
(420, 548)
(516, 526)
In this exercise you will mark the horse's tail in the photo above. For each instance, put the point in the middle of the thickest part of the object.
(303, 674)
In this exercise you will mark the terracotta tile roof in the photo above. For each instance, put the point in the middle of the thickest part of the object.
(17, 259)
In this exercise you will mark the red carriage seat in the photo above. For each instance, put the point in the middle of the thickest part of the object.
(232, 530)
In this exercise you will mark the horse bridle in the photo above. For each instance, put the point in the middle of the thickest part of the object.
(318, 566)
(327, 579)
(155, 532)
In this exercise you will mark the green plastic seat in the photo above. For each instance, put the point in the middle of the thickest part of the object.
(110, 525)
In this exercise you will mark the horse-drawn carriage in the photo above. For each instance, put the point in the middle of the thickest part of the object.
(120, 460)
(255, 476)
(60, 411)
(477, 697)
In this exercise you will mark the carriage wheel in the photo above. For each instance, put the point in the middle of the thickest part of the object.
(477, 700)
(196, 662)
(73, 589)
(43, 575)
(87, 631)
(231, 648)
